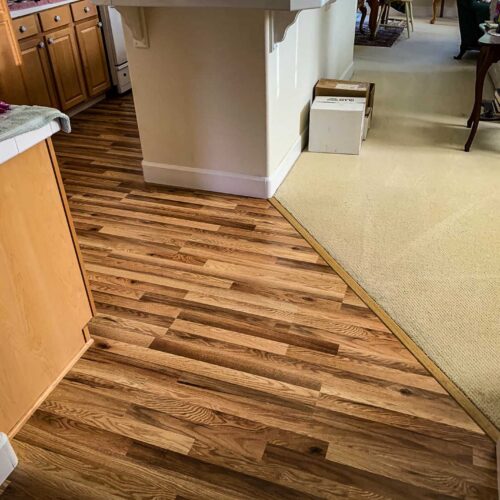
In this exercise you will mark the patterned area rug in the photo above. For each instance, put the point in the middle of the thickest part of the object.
(386, 34)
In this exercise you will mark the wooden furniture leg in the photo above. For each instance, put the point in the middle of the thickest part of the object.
(441, 12)
(483, 65)
(434, 10)
(362, 8)
(373, 17)
(407, 15)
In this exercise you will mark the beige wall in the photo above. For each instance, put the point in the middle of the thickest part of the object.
(208, 93)
(217, 109)
(319, 45)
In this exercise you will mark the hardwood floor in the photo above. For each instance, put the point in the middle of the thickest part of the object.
(230, 362)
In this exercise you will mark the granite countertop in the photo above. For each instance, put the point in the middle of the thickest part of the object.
(26, 7)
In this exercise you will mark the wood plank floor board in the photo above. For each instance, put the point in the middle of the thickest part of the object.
(230, 361)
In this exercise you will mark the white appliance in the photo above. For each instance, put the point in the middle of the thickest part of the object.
(8, 459)
(115, 47)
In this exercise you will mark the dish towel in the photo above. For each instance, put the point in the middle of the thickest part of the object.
(21, 119)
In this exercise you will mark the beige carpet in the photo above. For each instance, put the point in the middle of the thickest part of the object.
(414, 219)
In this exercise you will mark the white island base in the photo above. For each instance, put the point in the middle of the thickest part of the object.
(222, 94)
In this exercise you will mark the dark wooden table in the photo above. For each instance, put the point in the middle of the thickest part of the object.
(372, 22)
(488, 55)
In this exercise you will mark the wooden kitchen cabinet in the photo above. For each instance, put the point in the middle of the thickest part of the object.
(55, 57)
(66, 66)
(37, 72)
(45, 302)
(93, 56)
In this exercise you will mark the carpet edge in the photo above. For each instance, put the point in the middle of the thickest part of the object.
(455, 392)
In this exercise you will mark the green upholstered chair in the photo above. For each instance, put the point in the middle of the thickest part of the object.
(471, 13)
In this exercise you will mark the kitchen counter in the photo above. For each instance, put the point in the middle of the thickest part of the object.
(18, 9)
(287, 5)
(16, 145)
(222, 88)
(24, 126)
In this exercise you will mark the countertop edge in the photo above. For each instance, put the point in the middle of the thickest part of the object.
(286, 5)
(17, 145)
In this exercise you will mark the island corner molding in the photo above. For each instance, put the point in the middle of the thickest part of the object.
(135, 20)
(281, 14)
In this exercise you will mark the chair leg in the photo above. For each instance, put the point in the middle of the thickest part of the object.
(434, 10)
(407, 14)
(411, 15)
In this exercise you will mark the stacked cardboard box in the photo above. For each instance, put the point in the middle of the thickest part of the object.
(341, 116)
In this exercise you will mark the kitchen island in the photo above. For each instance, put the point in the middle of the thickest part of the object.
(222, 88)
(45, 300)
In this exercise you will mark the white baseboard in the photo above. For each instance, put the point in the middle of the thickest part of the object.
(8, 458)
(221, 181)
(286, 164)
(348, 72)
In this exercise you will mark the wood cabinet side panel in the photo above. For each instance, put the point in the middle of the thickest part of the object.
(43, 300)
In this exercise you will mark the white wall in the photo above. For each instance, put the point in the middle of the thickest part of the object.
(319, 45)
(199, 89)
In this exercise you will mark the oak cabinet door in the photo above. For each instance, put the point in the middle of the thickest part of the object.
(67, 67)
(37, 73)
(93, 55)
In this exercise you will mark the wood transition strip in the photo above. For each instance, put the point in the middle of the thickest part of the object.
(475, 413)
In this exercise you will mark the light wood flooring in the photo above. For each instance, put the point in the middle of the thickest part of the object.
(230, 362)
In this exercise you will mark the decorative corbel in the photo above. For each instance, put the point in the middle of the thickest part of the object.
(279, 23)
(135, 20)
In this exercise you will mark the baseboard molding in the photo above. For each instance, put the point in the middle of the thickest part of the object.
(222, 181)
(85, 105)
(474, 412)
(286, 164)
(348, 72)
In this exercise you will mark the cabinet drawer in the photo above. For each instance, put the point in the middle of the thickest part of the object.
(83, 10)
(25, 27)
(55, 18)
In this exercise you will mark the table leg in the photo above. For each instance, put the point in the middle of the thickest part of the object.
(483, 65)
(362, 8)
(479, 65)
(441, 12)
(373, 17)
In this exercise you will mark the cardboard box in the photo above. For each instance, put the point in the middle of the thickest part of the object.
(337, 124)
(346, 88)
(342, 88)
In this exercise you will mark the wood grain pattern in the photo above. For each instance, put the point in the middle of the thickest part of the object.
(230, 361)
(43, 300)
